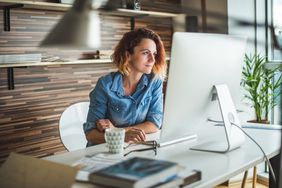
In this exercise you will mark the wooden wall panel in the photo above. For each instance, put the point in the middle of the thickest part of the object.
(29, 27)
(161, 5)
(30, 113)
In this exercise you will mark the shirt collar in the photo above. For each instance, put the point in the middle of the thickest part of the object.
(117, 85)
(144, 81)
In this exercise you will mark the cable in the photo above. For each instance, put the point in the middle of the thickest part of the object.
(267, 160)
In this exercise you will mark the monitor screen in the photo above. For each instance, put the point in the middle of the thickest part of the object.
(198, 62)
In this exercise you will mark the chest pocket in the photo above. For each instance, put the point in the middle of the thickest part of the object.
(117, 106)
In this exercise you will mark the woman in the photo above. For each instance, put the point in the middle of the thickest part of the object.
(132, 97)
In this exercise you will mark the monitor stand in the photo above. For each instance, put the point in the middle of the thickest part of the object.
(234, 136)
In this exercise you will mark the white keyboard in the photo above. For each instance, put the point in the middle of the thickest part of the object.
(262, 126)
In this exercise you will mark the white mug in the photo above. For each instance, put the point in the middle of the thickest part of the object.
(115, 139)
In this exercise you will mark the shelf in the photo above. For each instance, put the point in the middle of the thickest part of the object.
(36, 5)
(139, 13)
(88, 61)
(65, 7)
(273, 65)
(11, 66)
(32, 64)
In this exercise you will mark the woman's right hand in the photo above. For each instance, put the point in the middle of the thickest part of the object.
(135, 135)
(103, 124)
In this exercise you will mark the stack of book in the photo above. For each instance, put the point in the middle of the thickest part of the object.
(140, 172)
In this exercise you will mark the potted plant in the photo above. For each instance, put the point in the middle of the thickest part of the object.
(262, 86)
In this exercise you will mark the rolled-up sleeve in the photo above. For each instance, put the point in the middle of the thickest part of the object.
(155, 113)
(97, 107)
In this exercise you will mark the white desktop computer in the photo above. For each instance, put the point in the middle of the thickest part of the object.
(204, 67)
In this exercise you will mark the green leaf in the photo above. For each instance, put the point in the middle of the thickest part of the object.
(262, 89)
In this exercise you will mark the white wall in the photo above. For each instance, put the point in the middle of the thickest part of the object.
(245, 10)
(242, 10)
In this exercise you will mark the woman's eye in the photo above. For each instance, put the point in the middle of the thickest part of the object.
(145, 53)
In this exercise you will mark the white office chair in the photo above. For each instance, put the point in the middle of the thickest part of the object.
(71, 126)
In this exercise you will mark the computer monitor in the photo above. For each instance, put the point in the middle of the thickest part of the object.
(199, 62)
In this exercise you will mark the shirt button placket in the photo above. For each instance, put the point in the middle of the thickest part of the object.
(134, 111)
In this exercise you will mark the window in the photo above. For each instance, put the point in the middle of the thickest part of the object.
(276, 52)
(277, 23)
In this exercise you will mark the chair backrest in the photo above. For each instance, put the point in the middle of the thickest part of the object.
(71, 126)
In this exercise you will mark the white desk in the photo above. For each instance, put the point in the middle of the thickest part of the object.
(216, 168)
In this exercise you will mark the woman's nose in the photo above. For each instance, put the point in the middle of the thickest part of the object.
(152, 57)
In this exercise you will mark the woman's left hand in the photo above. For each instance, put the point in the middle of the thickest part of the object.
(103, 124)
(134, 135)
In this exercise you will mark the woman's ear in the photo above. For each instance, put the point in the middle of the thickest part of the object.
(128, 56)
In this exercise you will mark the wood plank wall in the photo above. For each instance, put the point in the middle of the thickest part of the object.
(30, 113)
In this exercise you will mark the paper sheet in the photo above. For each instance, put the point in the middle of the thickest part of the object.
(94, 163)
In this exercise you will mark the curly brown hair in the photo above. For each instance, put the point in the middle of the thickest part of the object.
(132, 39)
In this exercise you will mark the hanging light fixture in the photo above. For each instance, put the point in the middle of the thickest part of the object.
(78, 29)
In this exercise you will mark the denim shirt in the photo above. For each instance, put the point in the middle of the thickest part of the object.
(108, 101)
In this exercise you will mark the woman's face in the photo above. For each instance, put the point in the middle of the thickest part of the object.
(143, 58)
